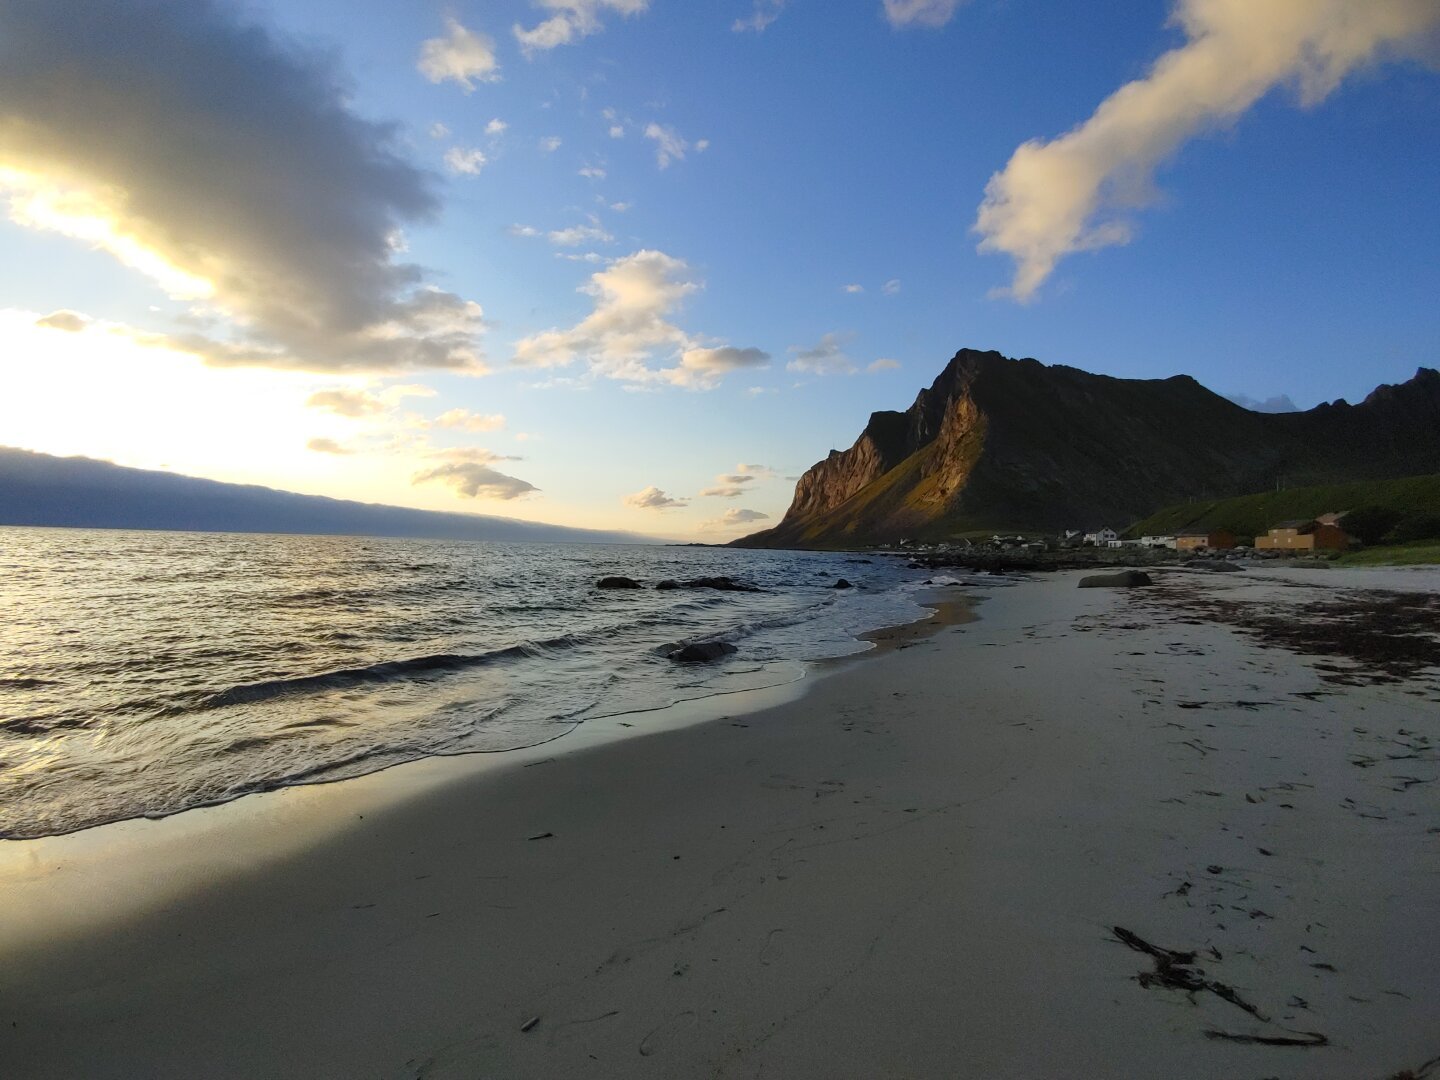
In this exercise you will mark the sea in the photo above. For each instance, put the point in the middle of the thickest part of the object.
(147, 673)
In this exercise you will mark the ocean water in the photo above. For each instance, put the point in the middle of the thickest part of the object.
(146, 673)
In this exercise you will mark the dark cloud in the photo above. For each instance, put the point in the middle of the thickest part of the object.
(220, 153)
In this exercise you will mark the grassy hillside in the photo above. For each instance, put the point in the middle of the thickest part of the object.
(1253, 515)
(1420, 553)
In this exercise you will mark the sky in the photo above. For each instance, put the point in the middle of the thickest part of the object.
(637, 264)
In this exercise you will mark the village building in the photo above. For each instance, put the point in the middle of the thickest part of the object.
(1203, 540)
(1318, 534)
(1159, 541)
(1101, 537)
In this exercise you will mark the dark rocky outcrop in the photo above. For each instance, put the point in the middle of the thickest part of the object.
(703, 652)
(842, 584)
(617, 583)
(1125, 579)
(721, 584)
(1001, 444)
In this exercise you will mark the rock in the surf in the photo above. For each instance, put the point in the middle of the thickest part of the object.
(703, 652)
(1125, 579)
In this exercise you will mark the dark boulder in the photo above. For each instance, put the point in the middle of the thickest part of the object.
(617, 583)
(723, 584)
(703, 652)
(1125, 579)
(668, 583)
(842, 584)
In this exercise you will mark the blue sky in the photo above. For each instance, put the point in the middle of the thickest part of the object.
(255, 243)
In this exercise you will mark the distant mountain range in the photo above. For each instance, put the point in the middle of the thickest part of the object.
(1002, 444)
(78, 492)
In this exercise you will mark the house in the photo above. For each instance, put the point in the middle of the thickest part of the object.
(1101, 537)
(1204, 540)
(1158, 541)
(1319, 534)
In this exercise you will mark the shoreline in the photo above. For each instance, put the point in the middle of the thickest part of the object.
(307, 813)
(914, 867)
(686, 683)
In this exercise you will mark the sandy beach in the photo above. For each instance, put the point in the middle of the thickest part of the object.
(1092, 833)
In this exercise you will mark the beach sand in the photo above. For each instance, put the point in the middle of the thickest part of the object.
(917, 868)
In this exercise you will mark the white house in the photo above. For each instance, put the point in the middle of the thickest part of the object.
(1102, 537)
(1158, 542)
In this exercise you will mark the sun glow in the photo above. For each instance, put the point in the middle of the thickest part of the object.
(93, 216)
(99, 390)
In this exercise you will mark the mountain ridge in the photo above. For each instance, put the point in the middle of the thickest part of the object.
(1000, 443)
(44, 490)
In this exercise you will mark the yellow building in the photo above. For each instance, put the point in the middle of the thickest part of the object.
(1215, 540)
(1320, 534)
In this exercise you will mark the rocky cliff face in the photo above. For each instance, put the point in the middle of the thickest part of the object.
(996, 443)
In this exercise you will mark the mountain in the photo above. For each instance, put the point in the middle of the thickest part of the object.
(997, 443)
(78, 492)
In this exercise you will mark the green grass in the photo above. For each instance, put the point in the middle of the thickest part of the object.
(1421, 552)
(1254, 515)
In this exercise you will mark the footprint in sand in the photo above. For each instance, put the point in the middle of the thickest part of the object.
(679, 1028)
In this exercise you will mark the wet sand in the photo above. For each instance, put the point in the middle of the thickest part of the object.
(987, 851)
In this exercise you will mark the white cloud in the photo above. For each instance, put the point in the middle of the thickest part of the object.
(460, 160)
(593, 172)
(573, 19)
(476, 455)
(930, 13)
(759, 472)
(550, 143)
(729, 485)
(765, 13)
(669, 146)
(620, 207)
(476, 480)
(461, 56)
(70, 321)
(891, 287)
(496, 127)
(853, 290)
(616, 131)
(629, 328)
(756, 391)
(702, 369)
(349, 403)
(528, 232)
(283, 227)
(594, 258)
(652, 498)
(883, 364)
(1280, 403)
(439, 130)
(465, 420)
(825, 357)
(327, 446)
(734, 518)
(579, 234)
(1055, 198)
